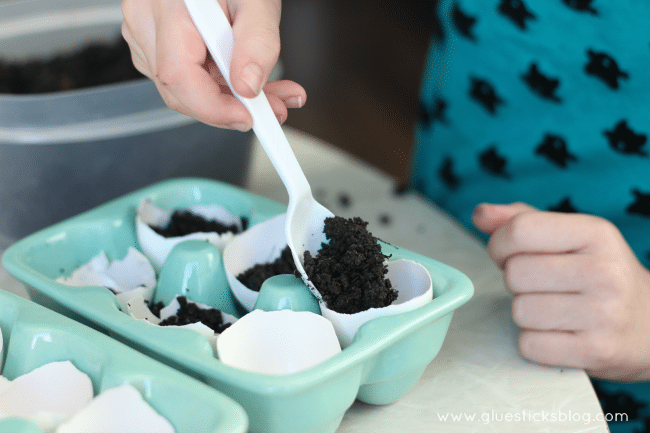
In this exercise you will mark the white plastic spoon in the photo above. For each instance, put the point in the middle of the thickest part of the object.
(305, 216)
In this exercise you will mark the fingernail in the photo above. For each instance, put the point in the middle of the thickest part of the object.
(252, 76)
(243, 127)
(280, 119)
(294, 102)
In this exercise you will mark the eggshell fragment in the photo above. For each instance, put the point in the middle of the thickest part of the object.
(124, 275)
(261, 243)
(277, 342)
(146, 293)
(172, 309)
(415, 288)
(47, 394)
(117, 410)
(138, 309)
(158, 247)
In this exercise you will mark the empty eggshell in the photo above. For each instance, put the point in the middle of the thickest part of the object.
(277, 342)
(260, 244)
(124, 275)
(137, 308)
(117, 410)
(415, 288)
(158, 247)
(47, 394)
(146, 293)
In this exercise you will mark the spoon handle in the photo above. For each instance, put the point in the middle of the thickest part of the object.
(217, 33)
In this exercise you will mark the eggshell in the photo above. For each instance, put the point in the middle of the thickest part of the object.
(137, 308)
(117, 410)
(415, 288)
(277, 342)
(157, 247)
(47, 394)
(124, 275)
(146, 293)
(260, 244)
(172, 309)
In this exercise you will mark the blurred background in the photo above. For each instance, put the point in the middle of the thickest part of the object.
(360, 62)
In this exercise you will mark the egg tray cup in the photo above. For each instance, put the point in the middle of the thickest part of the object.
(386, 358)
(34, 336)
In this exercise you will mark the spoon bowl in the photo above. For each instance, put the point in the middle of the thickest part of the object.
(305, 216)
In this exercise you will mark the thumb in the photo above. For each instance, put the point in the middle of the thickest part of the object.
(488, 217)
(256, 27)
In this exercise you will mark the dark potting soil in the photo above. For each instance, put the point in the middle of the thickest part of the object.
(191, 313)
(94, 64)
(184, 222)
(255, 276)
(349, 271)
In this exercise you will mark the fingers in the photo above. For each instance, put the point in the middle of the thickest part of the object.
(166, 47)
(488, 217)
(137, 55)
(542, 233)
(566, 349)
(550, 273)
(183, 79)
(256, 28)
(565, 312)
(292, 94)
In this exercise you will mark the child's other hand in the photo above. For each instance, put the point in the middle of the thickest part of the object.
(582, 298)
(167, 48)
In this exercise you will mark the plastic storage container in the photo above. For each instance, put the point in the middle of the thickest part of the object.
(34, 336)
(384, 361)
(66, 152)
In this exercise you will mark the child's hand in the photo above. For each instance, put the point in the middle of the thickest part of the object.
(167, 48)
(582, 298)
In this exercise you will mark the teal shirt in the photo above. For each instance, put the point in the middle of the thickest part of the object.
(545, 102)
(540, 102)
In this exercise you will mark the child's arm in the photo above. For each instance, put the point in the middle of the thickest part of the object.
(167, 48)
(582, 298)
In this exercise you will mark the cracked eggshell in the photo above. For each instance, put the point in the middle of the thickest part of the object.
(277, 342)
(157, 247)
(172, 309)
(261, 243)
(415, 288)
(117, 410)
(119, 276)
(47, 395)
(137, 308)
(146, 293)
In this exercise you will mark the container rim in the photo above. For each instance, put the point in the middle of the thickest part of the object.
(59, 19)
(133, 124)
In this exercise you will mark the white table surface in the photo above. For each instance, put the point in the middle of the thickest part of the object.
(478, 372)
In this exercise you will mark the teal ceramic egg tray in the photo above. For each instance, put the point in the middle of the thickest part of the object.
(34, 336)
(386, 358)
